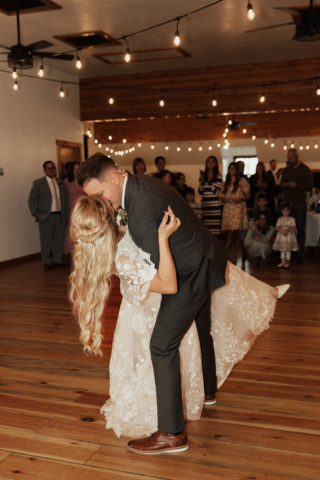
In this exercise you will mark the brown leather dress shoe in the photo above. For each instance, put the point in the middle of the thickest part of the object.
(159, 442)
(210, 400)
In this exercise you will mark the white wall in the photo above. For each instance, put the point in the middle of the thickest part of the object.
(31, 120)
(190, 163)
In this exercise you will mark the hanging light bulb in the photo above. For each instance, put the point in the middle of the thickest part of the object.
(189, 149)
(61, 91)
(41, 71)
(224, 135)
(272, 144)
(214, 101)
(263, 96)
(110, 137)
(200, 148)
(111, 101)
(301, 146)
(230, 121)
(139, 144)
(124, 140)
(107, 149)
(96, 141)
(218, 144)
(116, 153)
(318, 89)
(285, 146)
(88, 132)
(292, 144)
(244, 130)
(152, 146)
(178, 149)
(250, 12)
(307, 146)
(161, 103)
(111, 150)
(266, 141)
(127, 55)
(226, 130)
(14, 73)
(177, 35)
(130, 150)
(78, 62)
(167, 147)
(316, 145)
(253, 137)
(15, 86)
(210, 147)
(99, 146)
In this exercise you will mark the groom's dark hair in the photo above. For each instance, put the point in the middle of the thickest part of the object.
(95, 166)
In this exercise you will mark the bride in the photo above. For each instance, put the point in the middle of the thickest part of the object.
(240, 310)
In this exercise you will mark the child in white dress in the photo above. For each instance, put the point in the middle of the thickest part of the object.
(286, 241)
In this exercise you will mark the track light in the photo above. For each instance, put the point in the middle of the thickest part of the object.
(61, 91)
(152, 146)
(292, 145)
(214, 101)
(78, 62)
(127, 56)
(250, 12)
(161, 103)
(167, 147)
(177, 35)
(244, 130)
(41, 71)
(139, 144)
(253, 137)
(263, 96)
(14, 73)
(111, 101)
(15, 86)
(266, 141)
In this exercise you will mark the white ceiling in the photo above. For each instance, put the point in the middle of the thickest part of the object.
(213, 37)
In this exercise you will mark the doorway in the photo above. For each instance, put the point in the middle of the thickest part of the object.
(67, 152)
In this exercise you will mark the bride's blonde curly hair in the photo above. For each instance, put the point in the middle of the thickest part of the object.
(93, 231)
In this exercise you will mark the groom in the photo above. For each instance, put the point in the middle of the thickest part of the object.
(200, 262)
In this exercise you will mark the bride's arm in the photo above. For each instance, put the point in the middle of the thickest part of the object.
(165, 280)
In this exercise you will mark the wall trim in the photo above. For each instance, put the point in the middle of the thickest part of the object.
(19, 260)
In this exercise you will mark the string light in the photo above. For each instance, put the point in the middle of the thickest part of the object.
(78, 62)
(116, 153)
(218, 144)
(61, 91)
(263, 96)
(214, 101)
(307, 146)
(14, 73)
(301, 146)
(292, 144)
(178, 148)
(226, 130)
(316, 145)
(88, 132)
(250, 12)
(318, 88)
(110, 137)
(127, 57)
(124, 140)
(107, 149)
(96, 141)
(272, 144)
(200, 148)
(111, 150)
(111, 101)
(41, 71)
(132, 148)
(139, 145)
(285, 146)
(253, 137)
(152, 146)
(244, 130)
(161, 103)
(177, 35)
(210, 147)
(266, 141)
(167, 147)
(99, 146)
(15, 86)
(189, 149)
(230, 122)
(224, 135)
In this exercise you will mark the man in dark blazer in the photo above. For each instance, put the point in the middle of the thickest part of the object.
(49, 204)
(272, 182)
(200, 262)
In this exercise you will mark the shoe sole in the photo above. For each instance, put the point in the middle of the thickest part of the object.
(169, 450)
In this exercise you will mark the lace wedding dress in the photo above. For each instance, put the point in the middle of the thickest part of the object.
(240, 311)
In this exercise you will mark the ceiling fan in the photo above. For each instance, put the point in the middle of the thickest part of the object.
(306, 20)
(21, 56)
(233, 125)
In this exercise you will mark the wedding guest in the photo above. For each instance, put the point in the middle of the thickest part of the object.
(279, 176)
(160, 163)
(138, 166)
(165, 176)
(234, 193)
(180, 183)
(296, 182)
(314, 199)
(74, 192)
(189, 196)
(286, 241)
(258, 239)
(209, 187)
(48, 203)
(258, 184)
(261, 207)
(241, 167)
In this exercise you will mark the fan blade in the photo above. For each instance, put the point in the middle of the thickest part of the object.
(56, 56)
(2, 46)
(272, 26)
(39, 45)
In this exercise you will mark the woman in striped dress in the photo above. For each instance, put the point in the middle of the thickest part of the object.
(209, 187)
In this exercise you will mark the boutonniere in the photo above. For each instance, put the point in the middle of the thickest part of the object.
(122, 218)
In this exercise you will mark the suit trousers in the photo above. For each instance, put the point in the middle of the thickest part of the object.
(170, 328)
(51, 233)
(299, 212)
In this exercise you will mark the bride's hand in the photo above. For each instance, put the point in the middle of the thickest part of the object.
(167, 229)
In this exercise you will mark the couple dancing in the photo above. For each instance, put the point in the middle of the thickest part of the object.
(187, 314)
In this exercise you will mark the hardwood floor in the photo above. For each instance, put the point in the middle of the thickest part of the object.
(266, 424)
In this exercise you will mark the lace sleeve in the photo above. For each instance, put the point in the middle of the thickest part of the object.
(135, 275)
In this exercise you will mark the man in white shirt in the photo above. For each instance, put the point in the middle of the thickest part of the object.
(48, 203)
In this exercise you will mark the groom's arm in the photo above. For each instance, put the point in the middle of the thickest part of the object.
(144, 230)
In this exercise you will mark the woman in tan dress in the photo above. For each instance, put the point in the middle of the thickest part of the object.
(234, 193)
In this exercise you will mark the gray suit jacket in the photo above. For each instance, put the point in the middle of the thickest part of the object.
(40, 199)
(146, 199)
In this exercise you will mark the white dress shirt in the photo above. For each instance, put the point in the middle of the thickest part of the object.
(124, 191)
(53, 203)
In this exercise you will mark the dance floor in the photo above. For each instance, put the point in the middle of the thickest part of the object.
(266, 424)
